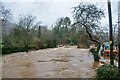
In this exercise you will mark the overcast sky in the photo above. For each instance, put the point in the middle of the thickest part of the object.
(48, 11)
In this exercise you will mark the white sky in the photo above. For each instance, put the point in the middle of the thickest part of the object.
(48, 11)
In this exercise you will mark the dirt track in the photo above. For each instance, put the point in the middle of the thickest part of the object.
(49, 63)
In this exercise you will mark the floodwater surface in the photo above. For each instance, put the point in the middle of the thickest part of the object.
(49, 63)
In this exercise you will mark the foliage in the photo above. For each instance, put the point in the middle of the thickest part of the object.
(8, 50)
(22, 35)
(51, 44)
(107, 72)
(95, 53)
(1, 45)
(61, 30)
(28, 32)
(44, 46)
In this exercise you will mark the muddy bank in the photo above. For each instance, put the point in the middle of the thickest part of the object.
(49, 63)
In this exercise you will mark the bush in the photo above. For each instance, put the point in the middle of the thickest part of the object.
(71, 43)
(8, 50)
(38, 45)
(1, 45)
(94, 52)
(107, 71)
(51, 44)
(44, 46)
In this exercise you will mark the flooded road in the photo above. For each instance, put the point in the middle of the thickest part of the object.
(49, 63)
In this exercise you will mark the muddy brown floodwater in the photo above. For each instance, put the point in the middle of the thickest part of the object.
(49, 63)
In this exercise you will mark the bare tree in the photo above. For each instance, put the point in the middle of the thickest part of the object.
(62, 29)
(57, 27)
(119, 43)
(5, 13)
(5, 16)
(119, 32)
(25, 31)
(88, 17)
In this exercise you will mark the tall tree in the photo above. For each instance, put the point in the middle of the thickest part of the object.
(119, 32)
(88, 17)
(5, 17)
(57, 27)
(39, 31)
(24, 32)
(62, 29)
(119, 40)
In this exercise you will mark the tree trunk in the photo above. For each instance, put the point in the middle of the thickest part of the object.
(96, 57)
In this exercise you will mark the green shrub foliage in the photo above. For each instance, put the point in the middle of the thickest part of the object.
(108, 71)
(95, 53)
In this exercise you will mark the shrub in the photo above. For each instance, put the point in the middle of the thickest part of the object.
(107, 71)
(38, 45)
(95, 54)
(71, 43)
(44, 46)
(8, 50)
(1, 45)
(51, 44)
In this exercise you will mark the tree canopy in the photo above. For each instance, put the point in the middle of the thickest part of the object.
(88, 17)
